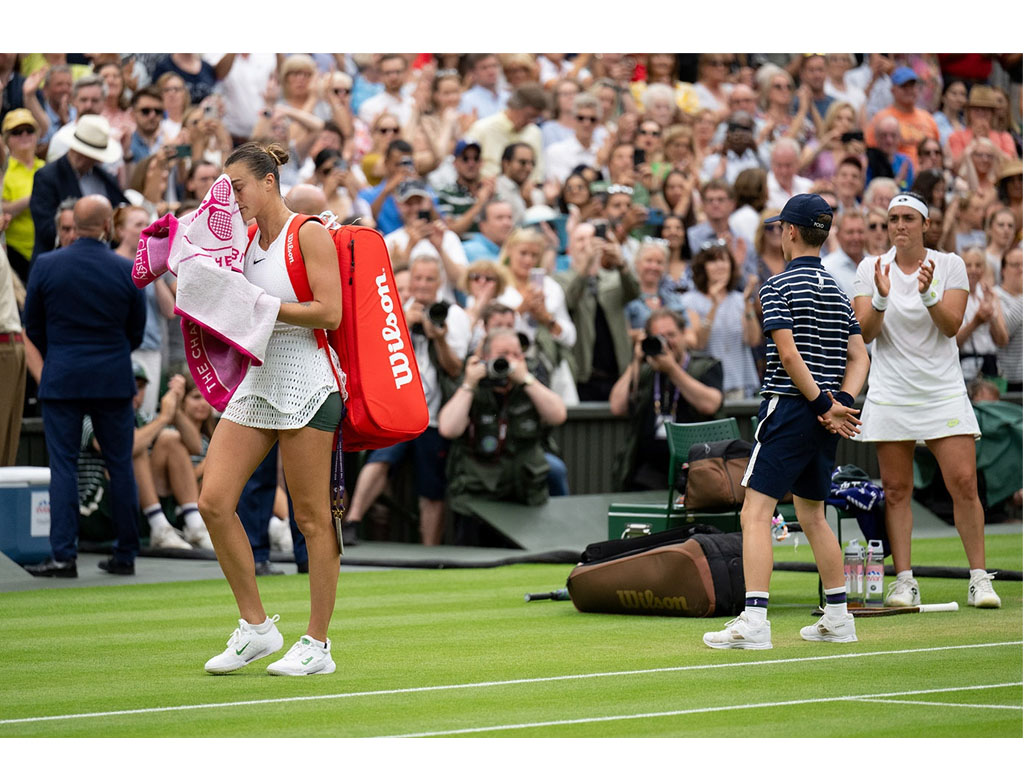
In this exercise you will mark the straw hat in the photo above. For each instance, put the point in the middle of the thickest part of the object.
(92, 139)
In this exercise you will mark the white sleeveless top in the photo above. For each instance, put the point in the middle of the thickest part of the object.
(295, 378)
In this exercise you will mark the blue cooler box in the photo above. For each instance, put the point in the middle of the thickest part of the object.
(25, 513)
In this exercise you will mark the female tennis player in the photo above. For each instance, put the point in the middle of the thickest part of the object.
(912, 300)
(292, 399)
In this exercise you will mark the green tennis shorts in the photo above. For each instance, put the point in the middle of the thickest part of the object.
(328, 415)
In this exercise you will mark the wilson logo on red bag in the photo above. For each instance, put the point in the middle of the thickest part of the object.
(386, 404)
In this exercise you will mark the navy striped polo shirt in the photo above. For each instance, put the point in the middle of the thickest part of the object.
(806, 299)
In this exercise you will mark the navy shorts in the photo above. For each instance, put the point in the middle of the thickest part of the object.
(429, 452)
(792, 451)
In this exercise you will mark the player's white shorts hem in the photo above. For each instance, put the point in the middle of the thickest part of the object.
(890, 423)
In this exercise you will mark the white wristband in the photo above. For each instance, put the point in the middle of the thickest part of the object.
(930, 297)
(879, 303)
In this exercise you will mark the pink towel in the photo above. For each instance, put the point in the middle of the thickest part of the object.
(226, 320)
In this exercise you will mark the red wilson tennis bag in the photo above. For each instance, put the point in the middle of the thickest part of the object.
(385, 403)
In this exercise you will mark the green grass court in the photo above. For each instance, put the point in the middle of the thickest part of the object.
(459, 653)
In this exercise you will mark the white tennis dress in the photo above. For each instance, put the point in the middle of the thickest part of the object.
(295, 378)
(916, 388)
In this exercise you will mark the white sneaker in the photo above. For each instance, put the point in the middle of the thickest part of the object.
(246, 645)
(306, 657)
(831, 630)
(903, 593)
(198, 537)
(739, 633)
(980, 593)
(280, 535)
(167, 537)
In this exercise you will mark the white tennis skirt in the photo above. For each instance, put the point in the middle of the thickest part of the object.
(890, 423)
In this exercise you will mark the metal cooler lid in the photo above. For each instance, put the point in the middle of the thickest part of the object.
(15, 476)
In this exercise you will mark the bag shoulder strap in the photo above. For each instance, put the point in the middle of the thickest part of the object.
(293, 259)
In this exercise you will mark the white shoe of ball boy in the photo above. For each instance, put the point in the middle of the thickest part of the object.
(831, 630)
(247, 644)
(306, 657)
(740, 633)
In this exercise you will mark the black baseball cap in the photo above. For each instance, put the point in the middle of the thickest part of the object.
(804, 210)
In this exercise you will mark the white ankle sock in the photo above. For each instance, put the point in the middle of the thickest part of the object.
(977, 573)
(190, 514)
(904, 575)
(155, 516)
(835, 610)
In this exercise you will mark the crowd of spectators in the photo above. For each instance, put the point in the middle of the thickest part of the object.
(587, 193)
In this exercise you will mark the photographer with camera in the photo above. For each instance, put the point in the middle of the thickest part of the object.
(440, 339)
(498, 420)
(664, 382)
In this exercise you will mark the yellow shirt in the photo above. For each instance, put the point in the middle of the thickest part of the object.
(496, 132)
(21, 232)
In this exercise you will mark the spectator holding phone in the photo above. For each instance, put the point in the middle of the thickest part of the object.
(423, 232)
(535, 295)
(398, 167)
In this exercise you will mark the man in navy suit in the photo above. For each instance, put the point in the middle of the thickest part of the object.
(86, 316)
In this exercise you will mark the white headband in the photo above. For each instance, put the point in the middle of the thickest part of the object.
(910, 202)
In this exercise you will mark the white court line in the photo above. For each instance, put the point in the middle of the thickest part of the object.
(942, 704)
(673, 713)
(496, 683)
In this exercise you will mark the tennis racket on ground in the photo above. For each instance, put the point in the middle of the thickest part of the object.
(892, 611)
(558, 594)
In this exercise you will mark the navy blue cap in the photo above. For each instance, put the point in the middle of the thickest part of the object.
(463, 144)
(804, 210)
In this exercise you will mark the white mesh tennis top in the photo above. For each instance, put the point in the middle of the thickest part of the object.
(295, 378)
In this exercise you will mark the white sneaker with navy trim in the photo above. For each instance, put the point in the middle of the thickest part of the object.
(245, 646)
(741, 633)
(829, 630)
(980, 593)
(306, 657)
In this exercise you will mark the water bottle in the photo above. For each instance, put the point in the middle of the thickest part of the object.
(874, 574)
(853, 570)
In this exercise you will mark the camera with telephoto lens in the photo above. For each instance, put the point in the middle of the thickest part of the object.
(498, 370)
(438, 315)
(653, 346)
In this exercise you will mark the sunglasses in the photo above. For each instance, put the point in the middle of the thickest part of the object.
(476, 276)
(21, 130)
(387, 130)
(586, 119)
(708, 244)
(649, 133)
(740, 127)
(471, 158)
(776, 227)
(619, 189)
(148, 111)
(876, 224)
(342, 91)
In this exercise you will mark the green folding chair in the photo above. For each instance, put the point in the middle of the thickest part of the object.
(681, 437)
